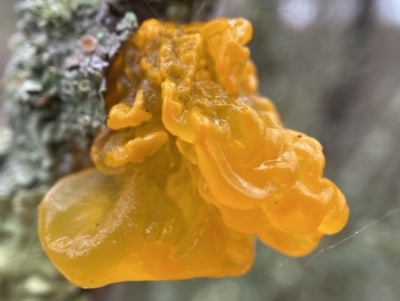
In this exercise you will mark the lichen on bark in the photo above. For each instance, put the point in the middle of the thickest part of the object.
(53, 91)
(54, 107)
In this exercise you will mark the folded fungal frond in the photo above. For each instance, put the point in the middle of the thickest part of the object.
(192, 166)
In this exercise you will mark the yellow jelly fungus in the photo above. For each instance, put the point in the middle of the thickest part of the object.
(193, 164)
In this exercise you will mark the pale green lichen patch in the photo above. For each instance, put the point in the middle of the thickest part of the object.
(53, 87)
(54, 107)
(53, 83)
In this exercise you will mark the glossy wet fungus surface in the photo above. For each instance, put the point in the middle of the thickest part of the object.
(194, 165)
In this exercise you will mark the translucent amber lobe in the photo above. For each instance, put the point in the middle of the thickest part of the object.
(102, 229)
(192, 165)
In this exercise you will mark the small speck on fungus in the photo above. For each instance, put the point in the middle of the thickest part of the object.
(193, 166)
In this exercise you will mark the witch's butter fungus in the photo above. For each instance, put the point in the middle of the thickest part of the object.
(192, 165)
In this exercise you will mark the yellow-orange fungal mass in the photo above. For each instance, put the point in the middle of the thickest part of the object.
(193, 164)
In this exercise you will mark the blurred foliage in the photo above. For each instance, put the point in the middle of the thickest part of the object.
(7, 27)
(335, 78)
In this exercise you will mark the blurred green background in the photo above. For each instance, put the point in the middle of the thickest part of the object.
(332, 67)
(7, 25)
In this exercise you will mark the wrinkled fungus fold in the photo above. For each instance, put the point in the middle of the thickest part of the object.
(192, 166)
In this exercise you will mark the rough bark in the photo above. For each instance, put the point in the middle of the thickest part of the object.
(53, 88)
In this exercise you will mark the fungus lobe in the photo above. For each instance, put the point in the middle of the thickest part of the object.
(192, 166)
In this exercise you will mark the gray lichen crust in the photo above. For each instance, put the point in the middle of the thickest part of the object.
(53, 87)
(54, 107)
